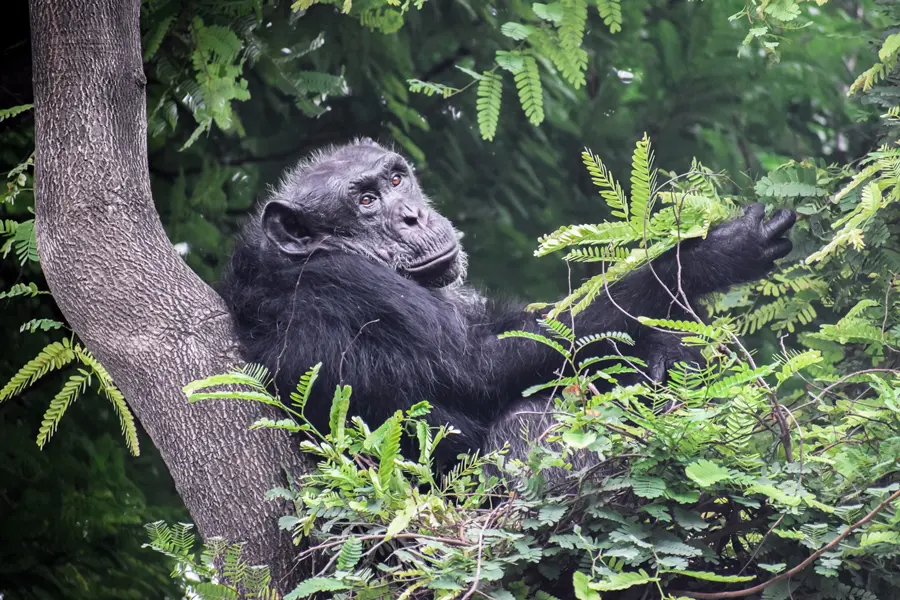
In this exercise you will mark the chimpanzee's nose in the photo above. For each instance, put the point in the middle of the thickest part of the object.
(413, 215)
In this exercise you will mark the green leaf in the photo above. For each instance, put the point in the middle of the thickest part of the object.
(643, 185)
(647, 487)
(22, 289)
(53, 357)
(351, 552)
(579, 439)
(610, 189)
(490, 95)
(75, 386)
(581, 582)
(337, 420)
(706, 473)
(300, 397)
(516, 31)
(552, 12)
(511, 61)
(623, 581)
(12, 111)
(390, 449)
(288, 522)
(611, 13)
(536, 337)
(531, 94)
(775, 494)
(401, 520)
(40, 325)
(314, 585)
(280, 424)
(551, 514)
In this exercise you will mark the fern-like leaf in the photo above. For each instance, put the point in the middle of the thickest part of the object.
(643, 184)
(610, 190)
(337, 420)
(304, 387)
(531, 94)
(70, 391)
(22, 289)
(115, 397)
(53, 357)
(571, 35)
(351, 551)
(490, 94)
(40, 325)
(611, 13)
(709, 331)
(536, 337)
(602, 233)
(561, 330)
(155, 37)
(12, 111)
(390, 449)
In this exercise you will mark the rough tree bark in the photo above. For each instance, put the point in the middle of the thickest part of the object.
(114, 274)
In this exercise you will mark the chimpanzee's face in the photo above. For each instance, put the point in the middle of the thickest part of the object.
(364, 199)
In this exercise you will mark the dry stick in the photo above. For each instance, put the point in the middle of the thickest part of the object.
(887, 310)
(761, 542)
(477, 578)
(291, 319)
(811, 559)
(344, 353)
(489, 520)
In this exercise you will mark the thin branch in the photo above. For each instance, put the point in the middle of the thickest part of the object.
(803, 565)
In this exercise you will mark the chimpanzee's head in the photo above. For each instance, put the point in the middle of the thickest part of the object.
(363, 199)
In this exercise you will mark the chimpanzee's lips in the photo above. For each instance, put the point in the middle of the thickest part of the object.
(435, 264)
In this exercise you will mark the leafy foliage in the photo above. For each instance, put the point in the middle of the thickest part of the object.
(54, 357)
(226, 573)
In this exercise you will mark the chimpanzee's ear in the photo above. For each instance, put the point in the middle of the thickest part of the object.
(286, 227)
(367, 141)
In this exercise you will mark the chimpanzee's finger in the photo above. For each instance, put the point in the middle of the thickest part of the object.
(780, 222)
(779, 249)
(658, 368)
(755, 212)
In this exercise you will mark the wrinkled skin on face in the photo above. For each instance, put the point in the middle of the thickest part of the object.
(364, 199)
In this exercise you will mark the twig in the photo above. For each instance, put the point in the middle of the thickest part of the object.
(287, 328)
(803, 565)
(761, 542)
(344, 353)
(477, 578)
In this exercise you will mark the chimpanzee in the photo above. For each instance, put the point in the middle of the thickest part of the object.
(348, 263)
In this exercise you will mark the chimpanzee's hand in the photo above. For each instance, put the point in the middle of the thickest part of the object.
(743, 249)
(663, 350)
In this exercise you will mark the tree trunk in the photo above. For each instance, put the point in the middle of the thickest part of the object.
(114, 274)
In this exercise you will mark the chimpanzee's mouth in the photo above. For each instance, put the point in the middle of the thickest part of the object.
(435, 264)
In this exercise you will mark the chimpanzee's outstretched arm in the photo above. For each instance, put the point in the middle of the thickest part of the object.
(735, 252)
(738, 251)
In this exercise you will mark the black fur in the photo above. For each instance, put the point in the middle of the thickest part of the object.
(398, 340)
